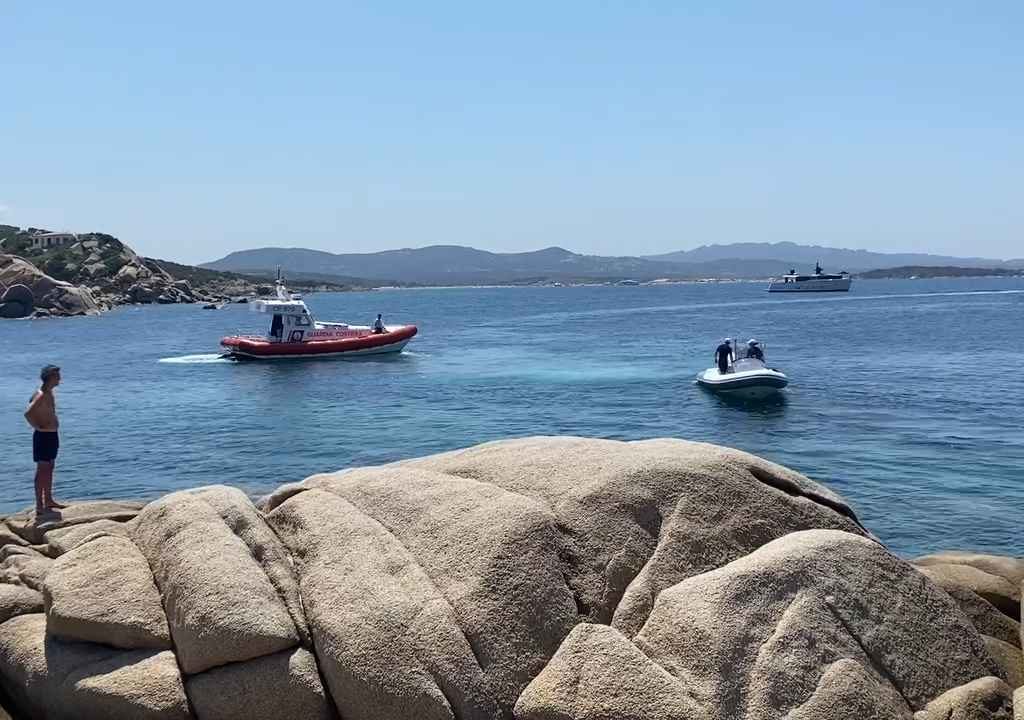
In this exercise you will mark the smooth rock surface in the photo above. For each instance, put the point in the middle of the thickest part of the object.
(639, 517)
(33, 529)
(983, 614)
(52, 680)
(61, 540)
(533, 579)
(1009, 658)
(987, 698)
(1000, 592)
(598, 674)
(1009, 568)
(219, 602)
(846, 691)
(283, 686)
(103, 592)
(388, 642)
(245, 521)
(754, 637)
(9, 537)
(18, 600)
(25, 568)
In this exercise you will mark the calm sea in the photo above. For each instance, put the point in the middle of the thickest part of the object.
(906, 396)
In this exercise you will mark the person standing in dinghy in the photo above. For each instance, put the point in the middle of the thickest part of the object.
(724, 356)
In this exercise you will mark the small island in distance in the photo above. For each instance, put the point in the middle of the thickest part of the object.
(918, 272)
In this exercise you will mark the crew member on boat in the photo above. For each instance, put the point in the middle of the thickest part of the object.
(754, 350)
(724, 356)
(378, 325)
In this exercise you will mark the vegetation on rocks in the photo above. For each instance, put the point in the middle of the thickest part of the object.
(98, 271)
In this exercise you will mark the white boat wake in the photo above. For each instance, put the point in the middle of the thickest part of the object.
(204, 359)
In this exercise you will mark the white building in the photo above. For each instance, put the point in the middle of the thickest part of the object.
(45, 241)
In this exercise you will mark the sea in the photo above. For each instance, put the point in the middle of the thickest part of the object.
(905, 395)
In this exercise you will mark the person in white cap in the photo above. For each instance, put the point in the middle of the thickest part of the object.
(754, 350)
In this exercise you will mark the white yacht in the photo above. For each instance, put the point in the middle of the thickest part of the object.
(820, 281)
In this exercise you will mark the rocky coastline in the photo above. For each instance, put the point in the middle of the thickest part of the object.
(97, 272)
(552, 578)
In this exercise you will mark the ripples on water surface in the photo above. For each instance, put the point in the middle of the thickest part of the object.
(904, 394)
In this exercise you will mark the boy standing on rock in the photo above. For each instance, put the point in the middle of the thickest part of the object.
(42, 416)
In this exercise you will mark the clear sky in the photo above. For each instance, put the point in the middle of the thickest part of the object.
(192, 129)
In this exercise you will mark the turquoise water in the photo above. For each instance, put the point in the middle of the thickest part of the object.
(905, 395)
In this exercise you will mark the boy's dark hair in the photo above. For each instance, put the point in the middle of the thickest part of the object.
(47, 371)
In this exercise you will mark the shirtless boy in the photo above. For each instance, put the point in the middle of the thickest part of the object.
(42, 416)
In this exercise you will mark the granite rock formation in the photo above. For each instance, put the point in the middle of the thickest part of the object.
(534, 579)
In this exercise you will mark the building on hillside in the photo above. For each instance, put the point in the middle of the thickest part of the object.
(45, 241)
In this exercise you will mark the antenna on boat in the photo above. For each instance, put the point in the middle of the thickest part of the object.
(281, 292)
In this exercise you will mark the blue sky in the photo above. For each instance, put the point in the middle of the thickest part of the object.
(193, 129)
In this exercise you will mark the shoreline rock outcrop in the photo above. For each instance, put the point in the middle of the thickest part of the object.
(533, 579)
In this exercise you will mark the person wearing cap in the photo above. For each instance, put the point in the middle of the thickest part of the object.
(378, 324)
(724, 356)
(754, 350)
(42, 416)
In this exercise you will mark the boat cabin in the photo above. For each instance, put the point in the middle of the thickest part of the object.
(290, 321)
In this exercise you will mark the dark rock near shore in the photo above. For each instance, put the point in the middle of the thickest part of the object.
(17, 301)
(535, 579)
(55, 296)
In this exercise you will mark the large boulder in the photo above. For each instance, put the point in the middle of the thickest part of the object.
(16, 301)
(987, 698)
(284, 686)
(57, 296)
(1003, 594)
(25, 566)
(220, 603)
(639, 517)
(1009, 658)
(18, 600)
(64, 539)
(582, 529)
(1009, 568)
(983, 614)
(538, 579)
(15, 270)
(53, 680)
(598, 674)
(9, 537)
(14, 310)
(415, 614)
(755, 637)
(34, 529)
(103, 591)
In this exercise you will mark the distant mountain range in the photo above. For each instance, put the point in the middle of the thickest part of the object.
(832, 258)
(457, 265)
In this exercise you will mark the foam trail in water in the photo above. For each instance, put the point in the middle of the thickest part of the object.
(203, 359)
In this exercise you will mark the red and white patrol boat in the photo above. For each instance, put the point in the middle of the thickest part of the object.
(295, 333)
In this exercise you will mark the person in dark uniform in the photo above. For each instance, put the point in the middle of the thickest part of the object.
(724, 356)
(754, 350)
